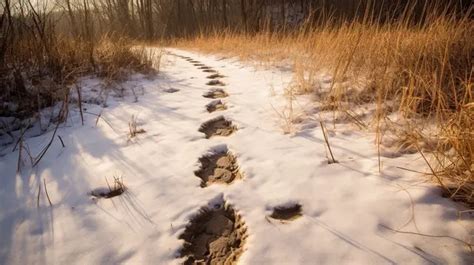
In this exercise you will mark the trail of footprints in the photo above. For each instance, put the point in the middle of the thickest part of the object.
(216, 235)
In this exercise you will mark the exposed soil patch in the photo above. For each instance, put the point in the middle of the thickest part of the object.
(215, 83)
(219, 126)
(215, 76)
(216, 93)
(216, 105)
(214, 236)
(287, 212)
(209, 71)
(220, 167)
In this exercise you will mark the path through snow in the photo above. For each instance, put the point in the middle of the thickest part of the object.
(213, 136)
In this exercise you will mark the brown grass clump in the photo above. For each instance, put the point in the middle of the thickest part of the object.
(133, 129)
(116, 189)
(421, 69)
(117, 60)
(34, 77)
(455, 166)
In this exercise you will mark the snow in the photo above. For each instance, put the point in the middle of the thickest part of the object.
(347, 206)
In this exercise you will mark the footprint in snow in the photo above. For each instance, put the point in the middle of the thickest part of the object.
(214, 236)
(215, 82)
(219, 167)
(215, 93)
(216, 105)
(219, 126)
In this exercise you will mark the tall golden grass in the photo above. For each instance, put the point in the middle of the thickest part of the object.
(421, 70)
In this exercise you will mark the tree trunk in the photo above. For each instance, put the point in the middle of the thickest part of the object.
(224, 13)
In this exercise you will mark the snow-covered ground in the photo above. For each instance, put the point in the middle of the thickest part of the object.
(350, 209)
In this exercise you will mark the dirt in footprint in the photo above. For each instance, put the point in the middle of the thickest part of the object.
(218, 168)
(286, 213)
(215, 236)
(216, 105)
(215, 82)
(215, 76)
(219, 126)
(216, 93)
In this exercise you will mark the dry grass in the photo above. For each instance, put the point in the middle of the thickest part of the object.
(34, 77)
(422, 71)
(133, 129)
(118, 188)
(117, 60)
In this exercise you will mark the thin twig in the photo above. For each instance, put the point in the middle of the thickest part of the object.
(79, 96)
(43, 152)
(21, 136)
(38, 196)
(18, 167)
(412, 170)
(431, 168)
(469, 245)
(412, 218)
(99, 116)
(110, 189)
(63, 113)
(327, 143)
(62, 142)
(46, 191)
(357, 121)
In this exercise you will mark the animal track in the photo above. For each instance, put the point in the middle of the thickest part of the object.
(209, 71)
(218, 167)
(216, 105)
(214, 236)
(216, 93)
(219, 126)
